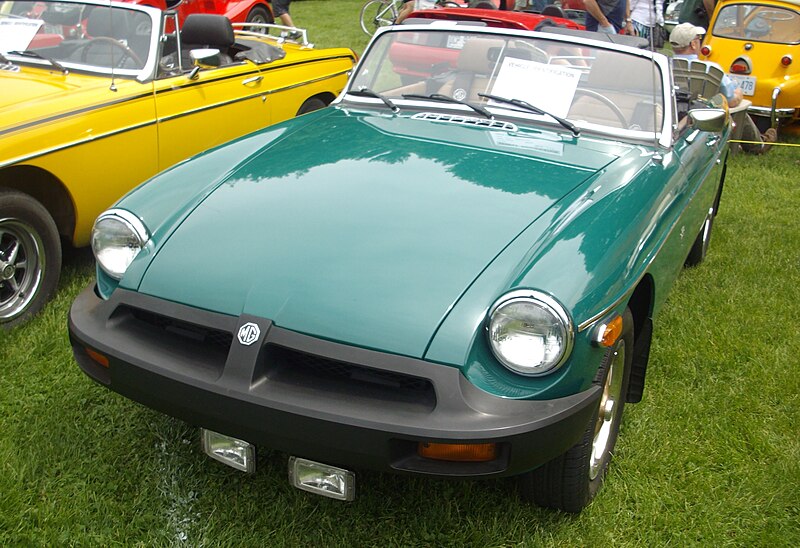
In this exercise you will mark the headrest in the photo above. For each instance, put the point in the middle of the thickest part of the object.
(208, 29)
(105, 21)
(476, 55)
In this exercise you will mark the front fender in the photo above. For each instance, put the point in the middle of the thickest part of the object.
(588, 252)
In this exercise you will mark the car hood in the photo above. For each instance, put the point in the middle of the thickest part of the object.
(364, 229)
(34, 95)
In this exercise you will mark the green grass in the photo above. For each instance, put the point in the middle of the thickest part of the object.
(711, 456)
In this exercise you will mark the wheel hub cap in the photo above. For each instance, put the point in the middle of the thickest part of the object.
(7, 271)
(21, 264)
(607, 413)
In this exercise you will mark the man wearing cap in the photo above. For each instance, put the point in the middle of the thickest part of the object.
(685, 40)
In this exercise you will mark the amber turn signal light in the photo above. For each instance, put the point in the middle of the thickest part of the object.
(609, 332)
(458, 452)
(97, 356)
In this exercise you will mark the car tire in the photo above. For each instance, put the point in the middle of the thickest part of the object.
(700, 246)
(310, 105)
(30, 257)
(570, 481)
(259, 14)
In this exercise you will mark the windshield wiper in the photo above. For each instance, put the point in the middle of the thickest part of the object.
(536, 110)
(366, 92)
(447, 99)
(29, 53)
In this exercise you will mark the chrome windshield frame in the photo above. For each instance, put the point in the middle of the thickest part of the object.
(662, 137)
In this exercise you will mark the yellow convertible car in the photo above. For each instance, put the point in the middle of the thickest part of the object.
(99, 96)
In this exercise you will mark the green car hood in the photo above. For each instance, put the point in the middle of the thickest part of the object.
(364, 229)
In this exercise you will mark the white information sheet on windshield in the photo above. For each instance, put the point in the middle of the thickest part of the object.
(548, 87)
(16, 34)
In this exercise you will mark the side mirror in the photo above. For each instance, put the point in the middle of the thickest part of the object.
(205, 58)
(709, 119)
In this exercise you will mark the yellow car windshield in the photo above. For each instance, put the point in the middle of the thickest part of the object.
(78, 35)
(759, 23)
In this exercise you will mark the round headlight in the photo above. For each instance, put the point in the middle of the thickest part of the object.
(530, 332)
(117, 237)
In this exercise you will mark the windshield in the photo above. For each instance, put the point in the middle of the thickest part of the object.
(76, 35)
(758, 23)
(592, 87)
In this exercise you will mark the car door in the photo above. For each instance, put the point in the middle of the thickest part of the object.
(701, 162)
(213, 106)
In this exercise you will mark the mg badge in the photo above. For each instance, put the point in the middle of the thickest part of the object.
(249, 333)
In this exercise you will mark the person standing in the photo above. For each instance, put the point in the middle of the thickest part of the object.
(646, 17)
(280, 8)
(608, 16)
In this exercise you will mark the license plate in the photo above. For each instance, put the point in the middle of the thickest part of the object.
(747, 83)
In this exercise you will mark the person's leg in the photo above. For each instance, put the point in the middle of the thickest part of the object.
(280, 8)
(760, 142)
(286, 19)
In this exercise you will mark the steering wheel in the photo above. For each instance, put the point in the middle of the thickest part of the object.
(606, 101)
(115, 43)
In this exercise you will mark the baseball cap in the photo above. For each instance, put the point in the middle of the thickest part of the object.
(683, 34)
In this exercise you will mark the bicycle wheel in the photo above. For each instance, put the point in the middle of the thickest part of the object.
(376, 14)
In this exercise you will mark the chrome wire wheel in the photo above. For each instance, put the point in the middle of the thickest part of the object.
(608, 414)
(21, 266)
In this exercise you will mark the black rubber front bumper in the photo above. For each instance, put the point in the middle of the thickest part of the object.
(308, 397)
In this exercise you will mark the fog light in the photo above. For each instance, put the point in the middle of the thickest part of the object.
(321, 479)
(236, 453)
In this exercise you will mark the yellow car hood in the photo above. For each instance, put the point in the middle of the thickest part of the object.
(33, 94)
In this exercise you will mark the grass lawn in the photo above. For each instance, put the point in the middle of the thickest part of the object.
(710, 457)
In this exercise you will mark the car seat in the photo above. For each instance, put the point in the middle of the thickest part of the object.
(206, 30)
(473, 68)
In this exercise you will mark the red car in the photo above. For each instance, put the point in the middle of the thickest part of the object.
(238, 11)
(501, 17)
(436, 57)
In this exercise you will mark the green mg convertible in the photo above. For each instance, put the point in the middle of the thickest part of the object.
(453, 270)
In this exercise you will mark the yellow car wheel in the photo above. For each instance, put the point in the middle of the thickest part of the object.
(30, 257)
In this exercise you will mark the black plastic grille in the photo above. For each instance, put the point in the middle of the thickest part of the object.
(215, 338)
(347, 379)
